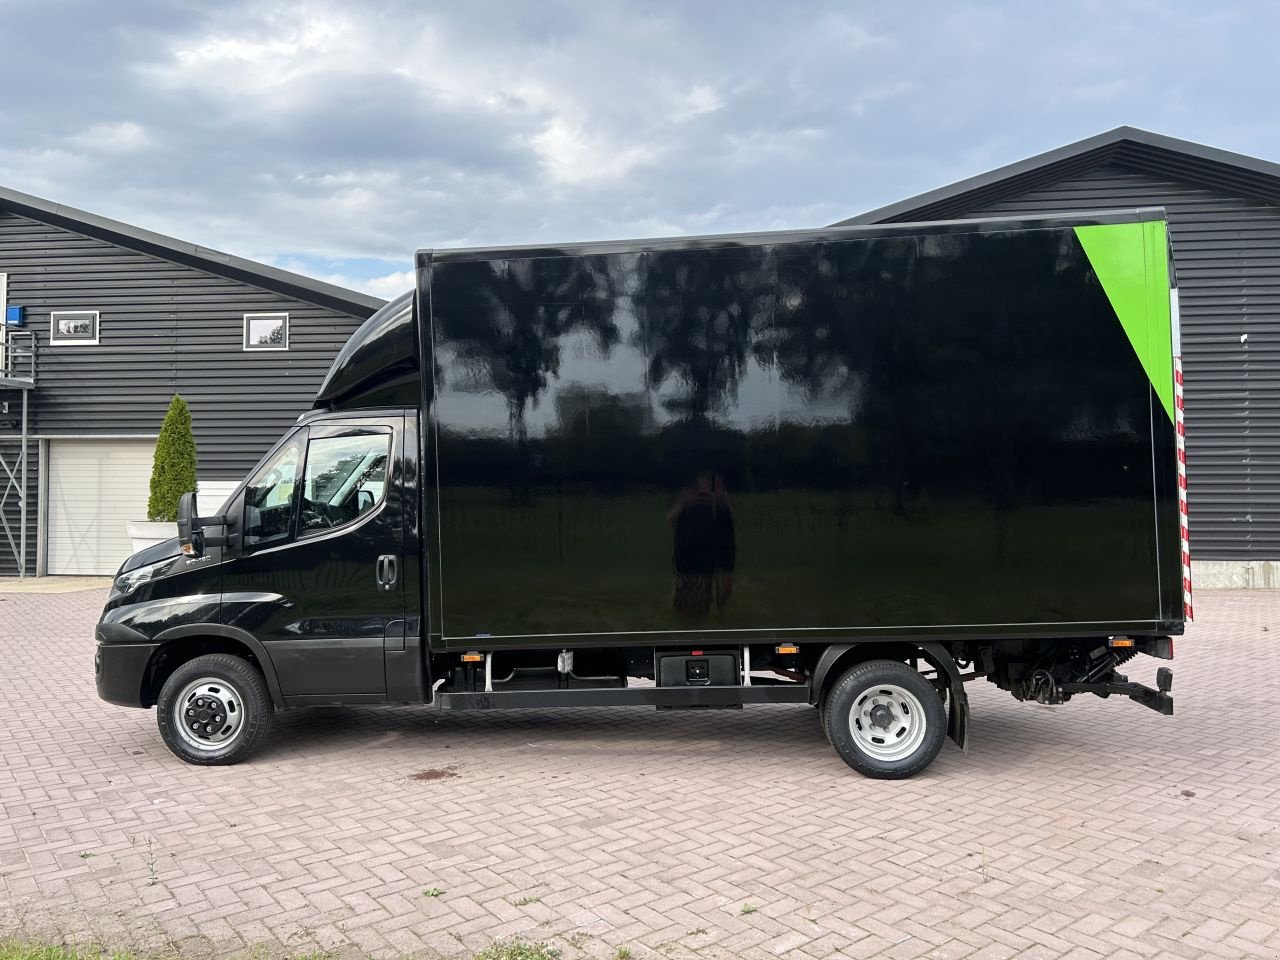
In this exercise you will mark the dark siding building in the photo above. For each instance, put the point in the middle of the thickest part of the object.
(1224, 227)
(121, 319)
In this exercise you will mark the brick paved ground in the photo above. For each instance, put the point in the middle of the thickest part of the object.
(1095, 829)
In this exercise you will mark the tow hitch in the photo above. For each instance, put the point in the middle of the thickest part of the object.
(1158, 699)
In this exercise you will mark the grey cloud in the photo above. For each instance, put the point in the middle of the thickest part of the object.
(491, 122)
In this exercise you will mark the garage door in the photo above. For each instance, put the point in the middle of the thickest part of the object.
(95, 487)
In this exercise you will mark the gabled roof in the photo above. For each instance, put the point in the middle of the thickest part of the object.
(1126, 147)
(190, 254)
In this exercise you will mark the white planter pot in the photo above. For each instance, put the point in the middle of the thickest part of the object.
(147, 533)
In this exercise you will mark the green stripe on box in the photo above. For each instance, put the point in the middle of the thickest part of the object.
(1131, 260)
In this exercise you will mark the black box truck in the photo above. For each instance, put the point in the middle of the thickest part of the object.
(848, 468)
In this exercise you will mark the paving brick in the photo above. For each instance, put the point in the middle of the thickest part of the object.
(1066, 833)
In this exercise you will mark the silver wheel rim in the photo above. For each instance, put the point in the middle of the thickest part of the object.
(887, 722)
(209, 713)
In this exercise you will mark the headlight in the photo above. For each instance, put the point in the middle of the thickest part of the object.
(126, 583)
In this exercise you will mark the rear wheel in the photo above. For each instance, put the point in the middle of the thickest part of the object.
(214, 710)
(884, 719)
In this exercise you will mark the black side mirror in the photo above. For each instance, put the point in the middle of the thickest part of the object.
(190, 529)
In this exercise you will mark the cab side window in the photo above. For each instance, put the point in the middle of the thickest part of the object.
(270, 496)
(346, 477)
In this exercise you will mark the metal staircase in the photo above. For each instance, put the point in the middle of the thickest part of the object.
(17, 380)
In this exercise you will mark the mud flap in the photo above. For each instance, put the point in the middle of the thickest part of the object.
(958, 715)
(958, 718)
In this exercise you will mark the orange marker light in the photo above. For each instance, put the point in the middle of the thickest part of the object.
(1121, 642)
(788, 648)
(473, 658)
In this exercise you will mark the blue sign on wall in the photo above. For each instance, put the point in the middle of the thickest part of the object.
(13, 317)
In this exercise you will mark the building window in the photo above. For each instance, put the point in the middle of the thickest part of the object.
(266, 331)
(73, 326)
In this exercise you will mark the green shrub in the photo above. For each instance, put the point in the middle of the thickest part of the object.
(173, 472)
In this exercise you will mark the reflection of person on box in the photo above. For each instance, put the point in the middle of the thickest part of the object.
(705, 548)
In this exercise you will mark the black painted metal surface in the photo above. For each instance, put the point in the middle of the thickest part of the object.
(915, 430)
(1224, 224)
(671, 697)
(312, 596)
(378, 366)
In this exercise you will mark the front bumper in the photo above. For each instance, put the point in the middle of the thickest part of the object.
(120, 668)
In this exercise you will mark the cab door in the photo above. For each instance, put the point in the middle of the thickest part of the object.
(315, 563)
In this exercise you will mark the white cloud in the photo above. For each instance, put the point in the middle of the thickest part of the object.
(340, 132)
(259, 59)
(698, 101)
(872, 95)
(847, 34)
(386, 287)
(754, 146)
(572, 155)
(42, 171)
(123, 137)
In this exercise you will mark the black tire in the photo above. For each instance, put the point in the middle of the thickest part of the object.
(895, 705)
(822, 710)
(217, 696)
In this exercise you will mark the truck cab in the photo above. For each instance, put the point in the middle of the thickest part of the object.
(308, 573)
(320, 528)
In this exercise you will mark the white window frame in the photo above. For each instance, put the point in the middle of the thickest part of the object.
(74, 341)
(247, 347)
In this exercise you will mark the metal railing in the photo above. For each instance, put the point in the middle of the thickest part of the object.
(18, 357)
(17, 373)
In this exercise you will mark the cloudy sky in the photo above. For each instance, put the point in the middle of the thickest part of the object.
(336, 138)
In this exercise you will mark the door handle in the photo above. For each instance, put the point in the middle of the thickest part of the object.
(386, 571)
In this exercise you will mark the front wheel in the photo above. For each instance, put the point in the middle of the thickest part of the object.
(884, 719)
(214, 710)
